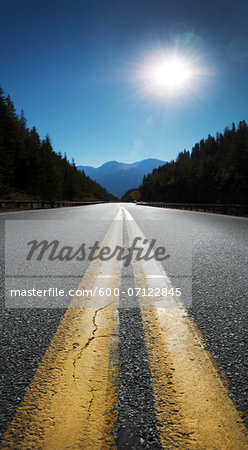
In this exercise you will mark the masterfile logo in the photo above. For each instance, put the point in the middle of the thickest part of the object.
(48, 263)
(55, 251)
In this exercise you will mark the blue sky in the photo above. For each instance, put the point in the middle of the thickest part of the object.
(78, 69)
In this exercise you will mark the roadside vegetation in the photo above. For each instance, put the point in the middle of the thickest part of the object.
(31, 169)
(215, 171)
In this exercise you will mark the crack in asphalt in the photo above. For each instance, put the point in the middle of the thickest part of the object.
(89, 339)
(91, 402)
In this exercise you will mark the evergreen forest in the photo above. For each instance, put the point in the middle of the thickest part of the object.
(30, 168)
(215, 171)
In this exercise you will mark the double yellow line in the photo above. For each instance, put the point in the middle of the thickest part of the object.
(72, 402)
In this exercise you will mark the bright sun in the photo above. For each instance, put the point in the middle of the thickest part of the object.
(170, 74)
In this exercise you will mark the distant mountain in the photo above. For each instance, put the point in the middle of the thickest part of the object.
(118, 177)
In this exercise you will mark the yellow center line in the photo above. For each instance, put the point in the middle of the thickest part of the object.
(193, 408)
(72, 401)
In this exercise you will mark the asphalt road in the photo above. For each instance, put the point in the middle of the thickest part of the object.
(215, 245)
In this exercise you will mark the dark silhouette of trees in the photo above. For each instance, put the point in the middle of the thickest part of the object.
(216, 171)
(30, 166)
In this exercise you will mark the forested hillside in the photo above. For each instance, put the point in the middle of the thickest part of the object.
(216, 171)
(29, 165)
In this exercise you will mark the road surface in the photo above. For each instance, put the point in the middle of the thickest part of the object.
(152, 354)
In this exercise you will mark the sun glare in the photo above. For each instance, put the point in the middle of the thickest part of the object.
(170, 75)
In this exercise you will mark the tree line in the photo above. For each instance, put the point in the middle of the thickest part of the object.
(29, 165)
(215, 171)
